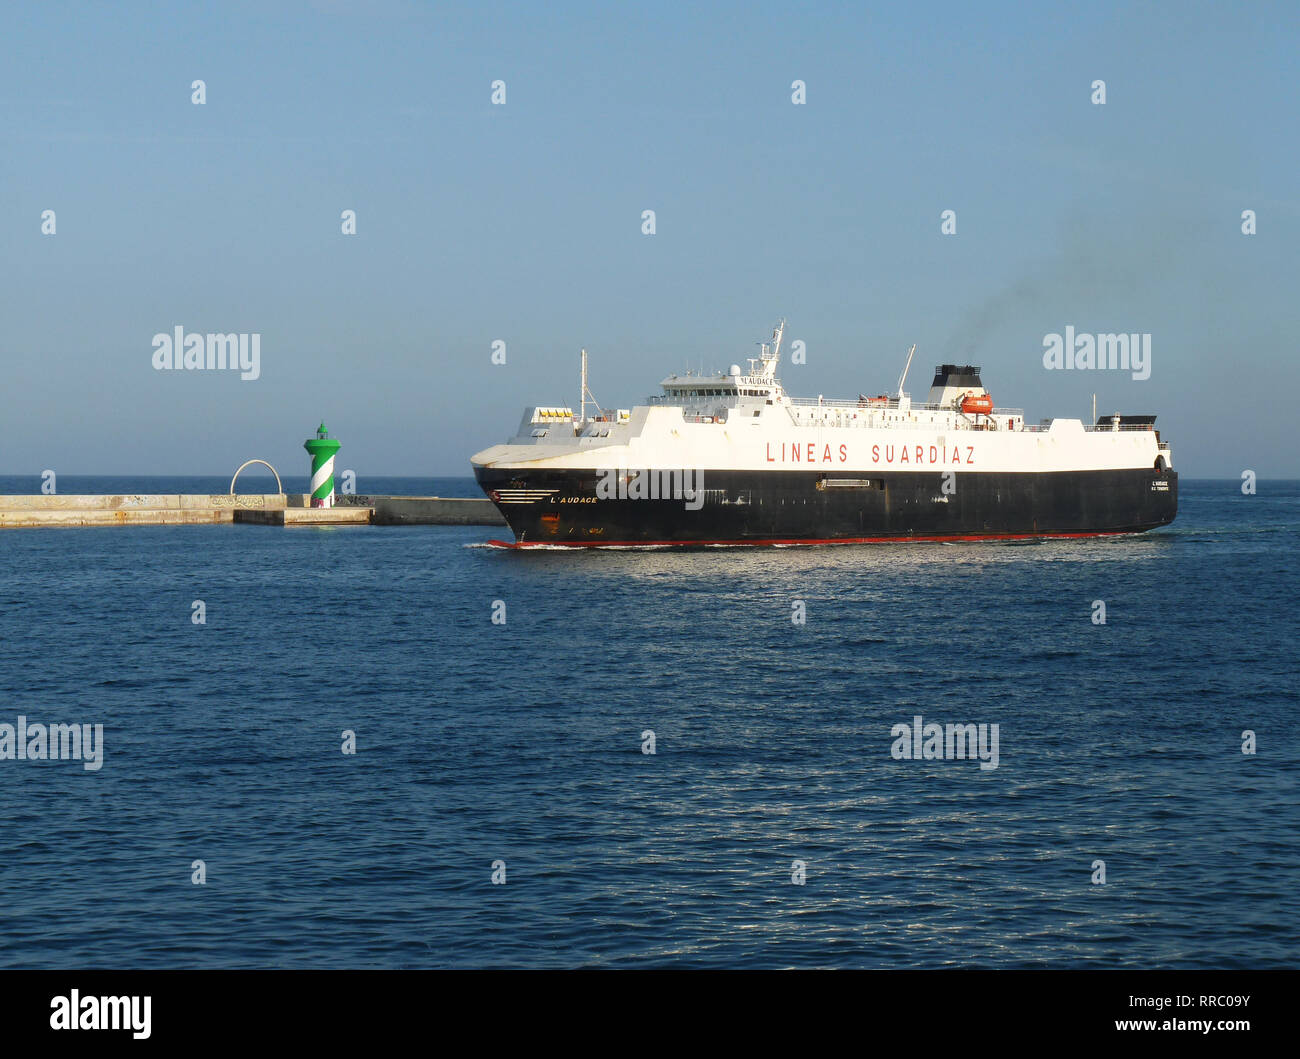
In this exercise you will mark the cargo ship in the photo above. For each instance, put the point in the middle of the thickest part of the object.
(732, 459)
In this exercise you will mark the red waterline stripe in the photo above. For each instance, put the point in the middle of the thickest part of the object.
(809, 540)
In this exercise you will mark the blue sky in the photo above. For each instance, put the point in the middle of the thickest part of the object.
(522, 222)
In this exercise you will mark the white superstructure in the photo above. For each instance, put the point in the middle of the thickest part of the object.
(746, 421)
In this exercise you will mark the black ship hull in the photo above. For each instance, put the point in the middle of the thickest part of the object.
(573, 507)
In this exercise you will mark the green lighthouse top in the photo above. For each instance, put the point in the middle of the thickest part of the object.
(322, 446)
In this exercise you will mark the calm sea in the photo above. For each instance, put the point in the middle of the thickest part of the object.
(522, 743)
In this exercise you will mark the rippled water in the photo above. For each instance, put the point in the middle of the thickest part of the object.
(522, 742)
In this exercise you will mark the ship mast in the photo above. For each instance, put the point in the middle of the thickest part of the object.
(906, 368)
(584, 396)
(582, 393)
(768, 354)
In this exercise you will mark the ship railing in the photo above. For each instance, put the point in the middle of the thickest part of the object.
(867, 403)
(798, 405)
(890, 404)
(800, 412)
(686, 402)
(1094, 428)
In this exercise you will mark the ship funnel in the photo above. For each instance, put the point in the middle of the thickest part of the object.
(953, 382)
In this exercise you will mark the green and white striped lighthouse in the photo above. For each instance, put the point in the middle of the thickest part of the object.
(322, 449)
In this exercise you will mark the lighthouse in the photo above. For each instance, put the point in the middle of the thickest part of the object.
(322, 449)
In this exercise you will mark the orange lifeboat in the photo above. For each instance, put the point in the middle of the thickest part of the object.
(977, 405)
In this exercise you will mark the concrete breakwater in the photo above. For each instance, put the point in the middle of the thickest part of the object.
(426, 510)
(281, 509)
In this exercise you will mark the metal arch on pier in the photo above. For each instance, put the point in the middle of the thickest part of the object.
(279, 488)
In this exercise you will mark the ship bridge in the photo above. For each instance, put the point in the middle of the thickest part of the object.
(759, 383)
(685, 389)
